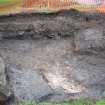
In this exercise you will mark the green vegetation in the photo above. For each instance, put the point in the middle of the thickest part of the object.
(4, 1)
(7, 2)
(75, 102)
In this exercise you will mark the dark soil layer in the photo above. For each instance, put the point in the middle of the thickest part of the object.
(53, 25)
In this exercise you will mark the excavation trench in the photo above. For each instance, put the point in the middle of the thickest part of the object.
(67, 49)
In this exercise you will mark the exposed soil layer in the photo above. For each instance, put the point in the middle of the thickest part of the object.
(53, 25)
(66, 48)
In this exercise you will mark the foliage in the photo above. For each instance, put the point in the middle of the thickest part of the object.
(75, 102)
(7, 2)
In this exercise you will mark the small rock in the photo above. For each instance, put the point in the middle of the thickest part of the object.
(27, 85)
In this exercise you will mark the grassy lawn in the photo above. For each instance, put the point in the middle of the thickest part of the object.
(76, 102)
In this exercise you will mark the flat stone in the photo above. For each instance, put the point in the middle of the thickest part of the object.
(27, 85)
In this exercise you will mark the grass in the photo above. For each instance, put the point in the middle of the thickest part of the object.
(7, 2)
(75, 102)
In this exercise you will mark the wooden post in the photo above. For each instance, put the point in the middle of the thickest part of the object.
(29, 3)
